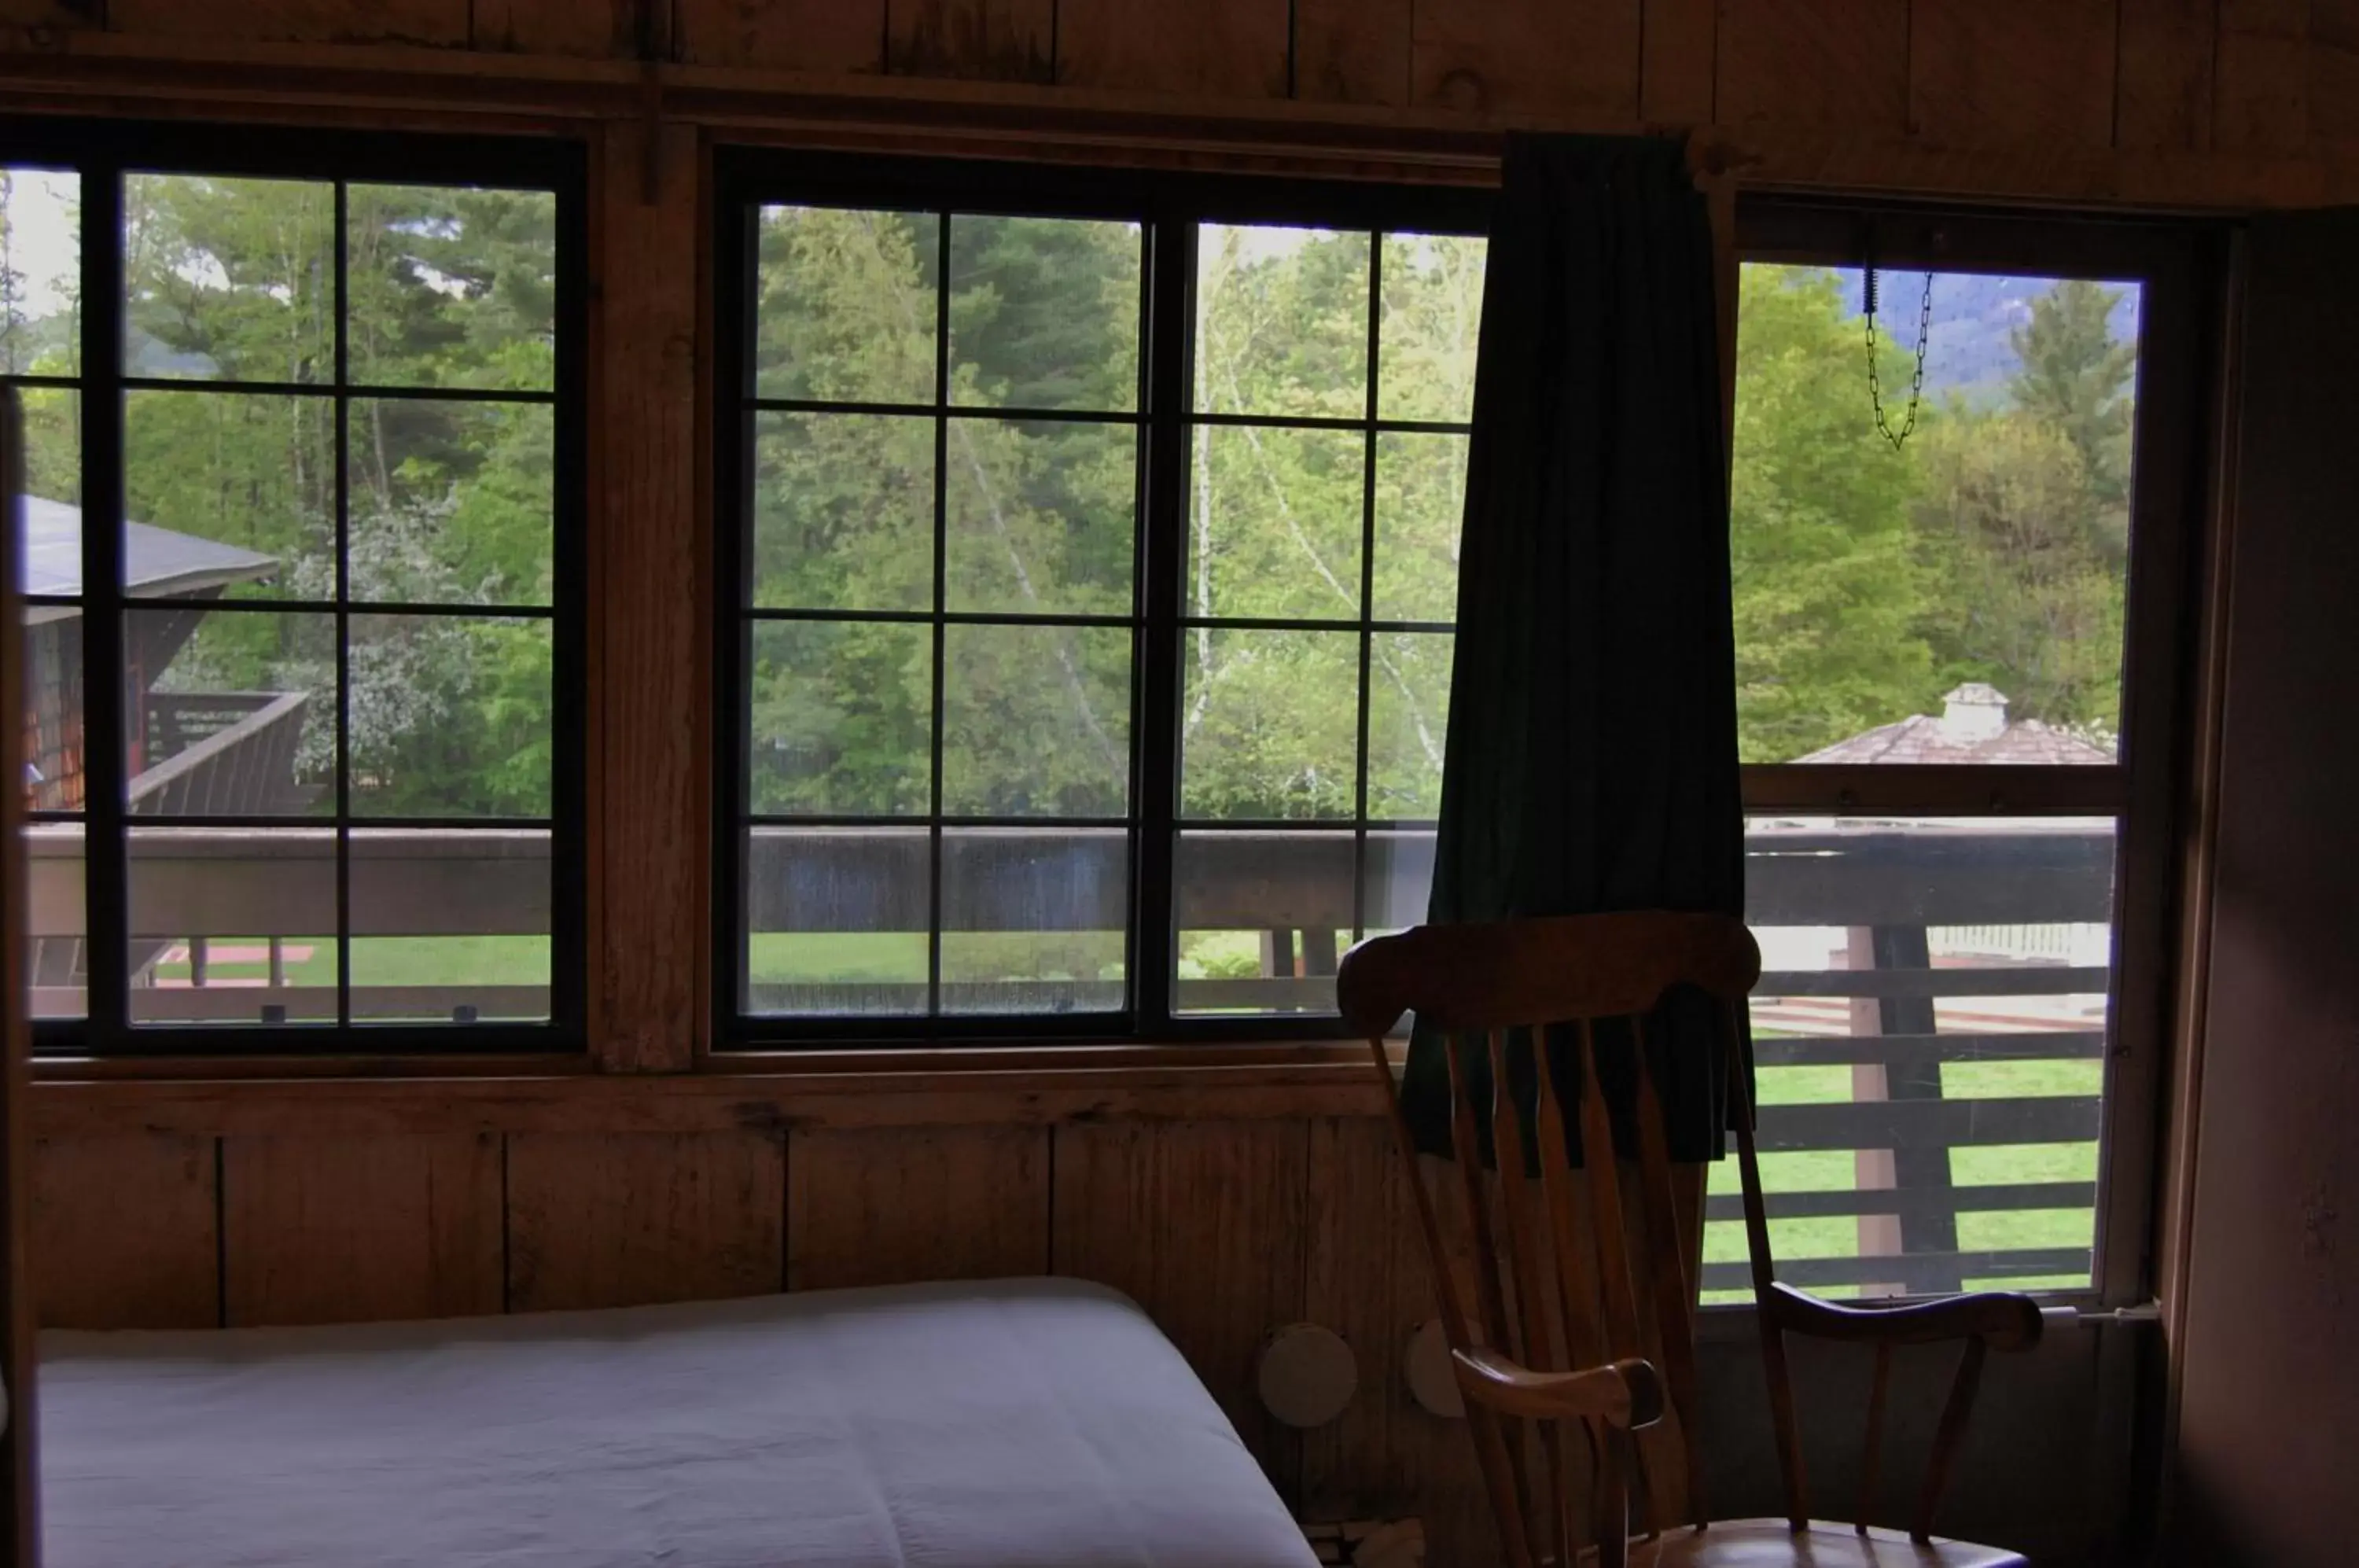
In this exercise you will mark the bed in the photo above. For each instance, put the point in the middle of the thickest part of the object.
(1045, 1423)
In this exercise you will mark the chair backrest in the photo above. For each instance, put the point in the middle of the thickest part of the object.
(1556, 1284)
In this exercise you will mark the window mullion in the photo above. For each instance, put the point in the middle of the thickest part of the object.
(106, 892)
(1163, 562)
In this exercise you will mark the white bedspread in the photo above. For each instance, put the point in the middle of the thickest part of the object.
(1020, 1423)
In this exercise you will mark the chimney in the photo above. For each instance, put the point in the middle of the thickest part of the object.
(1973, 713)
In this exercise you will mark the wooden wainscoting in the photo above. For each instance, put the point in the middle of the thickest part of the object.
(1228, 1209)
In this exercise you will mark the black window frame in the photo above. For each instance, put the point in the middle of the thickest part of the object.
(1167, 206)
(2180, 265)
(101, 153)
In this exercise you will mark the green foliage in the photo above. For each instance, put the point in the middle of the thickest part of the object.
(1993, 547)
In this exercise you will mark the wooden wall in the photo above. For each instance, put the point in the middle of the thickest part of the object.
(1228, 1201)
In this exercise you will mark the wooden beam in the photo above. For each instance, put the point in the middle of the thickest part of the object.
(2163, 99)
(975, 41)
(126, 1230)
(707, 1102)
(436, 24)
(819, 36)
(1213, 49)
(615, 1220)
(2334, 75)
(1815, 63)
(333, 1229)
(648, 547)
(890, 1207)
(1678, 62)
(1353, 52)
(42, 16)
(2007, 72)
(1514, 57)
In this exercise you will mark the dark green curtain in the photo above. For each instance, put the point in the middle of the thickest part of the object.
(1592, 760)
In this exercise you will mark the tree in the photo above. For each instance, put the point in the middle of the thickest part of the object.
(2076, 378)
(1826, 586)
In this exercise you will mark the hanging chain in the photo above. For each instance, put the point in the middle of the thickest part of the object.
(1874, 381)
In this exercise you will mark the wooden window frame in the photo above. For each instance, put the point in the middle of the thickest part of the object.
(2179, 264)
(101, 153)
(1168, 207)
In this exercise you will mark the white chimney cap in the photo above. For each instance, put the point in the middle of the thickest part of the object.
(1976, 711)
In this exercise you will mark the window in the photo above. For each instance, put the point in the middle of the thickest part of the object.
(294, 720)
(1957, 687)
(1093, 575)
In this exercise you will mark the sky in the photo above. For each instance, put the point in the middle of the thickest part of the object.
(42, 244)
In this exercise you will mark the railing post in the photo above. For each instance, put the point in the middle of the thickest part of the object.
(1926, 1225)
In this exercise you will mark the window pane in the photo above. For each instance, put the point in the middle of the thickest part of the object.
(1961, 600)
(1262, 917)
(841, 718)
(1931, 1028)
(1044, 313)
(450, 287)
(57, 957)
(228, 280)
(1041, 516)
(1421, 500)
(450, 925)
(229, 491)
(1408, 717)
(54, 455)
(1036, 721)
(845, 305)
(1275, 521)
(1269, 724)
(1396, 881)
(450, 715)
(231, 925)
(41, 272)
(1281, 321)
(450, 503)
(842, 512)
(53, 709)
(1034, 920)
(1432, 318)
(236, 713)
(836, 921)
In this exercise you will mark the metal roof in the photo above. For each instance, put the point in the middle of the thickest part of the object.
(156, 562)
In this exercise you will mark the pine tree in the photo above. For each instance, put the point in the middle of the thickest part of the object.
(2076, 378)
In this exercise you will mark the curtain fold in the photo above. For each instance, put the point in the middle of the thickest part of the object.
(1591, 754)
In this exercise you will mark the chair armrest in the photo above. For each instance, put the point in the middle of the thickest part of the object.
(1628, 1393)
(2004, 1320)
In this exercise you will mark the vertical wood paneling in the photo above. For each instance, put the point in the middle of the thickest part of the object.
(1352, 51)
(1676, 64)
(1820, 62)
(1202, 1224)
(1556, 59)
(980, 40)
(894, 1205)
(823, 36)
(1993, 72)
(619, 1219)
(126, 1232)
(2164, 98)
(589, 29)
(2262, 82)
(2334, 76)
(440, 24)
(344, 1229)
(1367, 1278)
(1205, 48)
(648, 797)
